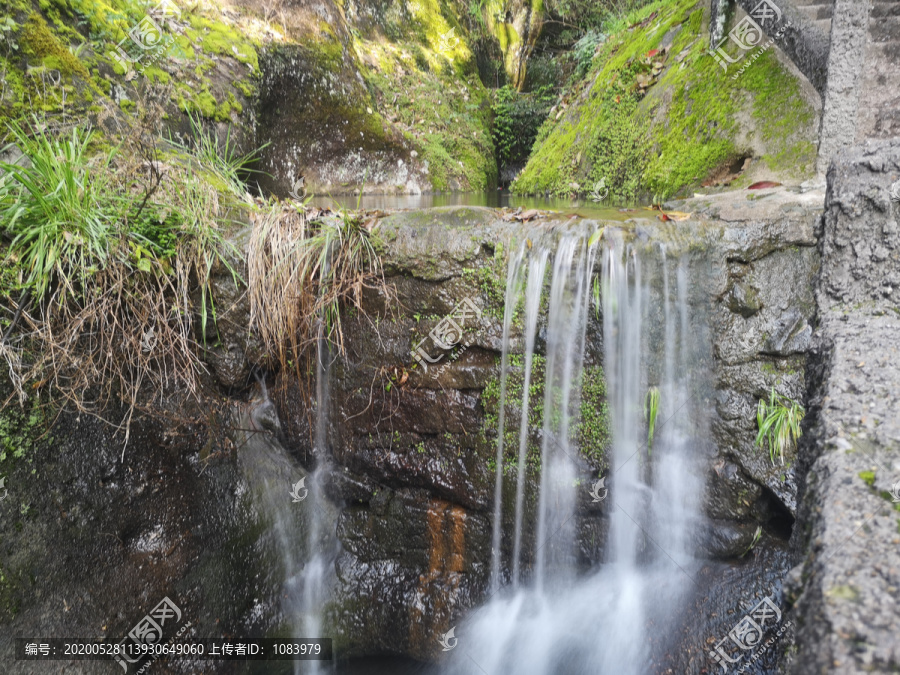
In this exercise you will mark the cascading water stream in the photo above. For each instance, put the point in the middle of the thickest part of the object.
(321, 543)
(301, 517)
(536, 271)
(556, 618)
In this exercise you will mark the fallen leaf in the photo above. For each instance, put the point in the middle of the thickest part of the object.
(652, 53)
(618, 99)
(528, 215)
(678, 215)
(663, 216)
(763, 184)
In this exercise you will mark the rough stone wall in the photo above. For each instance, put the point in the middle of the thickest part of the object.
(879, 110)
(804, 42)
(844, 591)
(845, 70)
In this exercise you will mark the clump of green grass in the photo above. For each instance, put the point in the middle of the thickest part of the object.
(779, 424)
(103, 253)
(58, 208)
(219, 157)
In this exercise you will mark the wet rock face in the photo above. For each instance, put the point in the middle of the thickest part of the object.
(412, 478)
(413, 473)
(762, 316)
(89, 543)
(844, 588)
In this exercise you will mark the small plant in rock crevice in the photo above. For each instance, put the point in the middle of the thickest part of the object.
(651, 411)
(779, 424)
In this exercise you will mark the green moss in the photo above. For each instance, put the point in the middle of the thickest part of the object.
(591, 433)
(446, 117)
(39, 44)
(490, 278)
(684, 128)
(217, 38)
(868, 477)
(19, 429)
(594, 431)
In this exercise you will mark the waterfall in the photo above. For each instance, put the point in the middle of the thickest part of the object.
(321, 539)
(301, 517)
(556, 617)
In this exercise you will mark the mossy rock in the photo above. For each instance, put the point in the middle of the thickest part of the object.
(656, 114)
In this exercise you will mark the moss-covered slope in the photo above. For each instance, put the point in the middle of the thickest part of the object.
(656, 114)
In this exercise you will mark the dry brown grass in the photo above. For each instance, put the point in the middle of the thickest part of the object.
(301, 275)
(122, 333)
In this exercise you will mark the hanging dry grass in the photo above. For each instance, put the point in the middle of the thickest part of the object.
(301, 274)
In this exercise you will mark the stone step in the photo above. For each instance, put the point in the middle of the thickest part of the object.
(883, 9)
(885, 29)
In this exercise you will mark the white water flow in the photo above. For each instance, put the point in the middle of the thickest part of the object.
(321, 541)
(537, 268)
(513, 280)
(559, 616)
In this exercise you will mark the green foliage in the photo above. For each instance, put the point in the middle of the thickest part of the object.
(584, 51)
(779, 424)
(868, 477)
(20, 429)
(592, 15)
(8, 30)
(60, 211)
(651, 410)
(517, 118)
(220, 158)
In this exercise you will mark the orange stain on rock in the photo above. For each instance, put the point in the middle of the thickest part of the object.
(436, 590)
